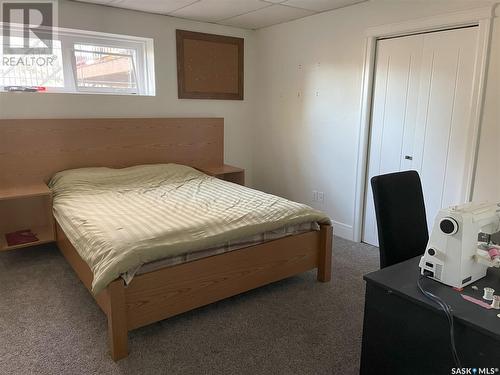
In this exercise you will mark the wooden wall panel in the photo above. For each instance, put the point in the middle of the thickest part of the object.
(209, 66)
(34, 150)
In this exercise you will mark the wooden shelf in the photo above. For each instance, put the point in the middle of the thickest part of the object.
(44, 234)
(225, 172)
(26, 191)
(221, 169)
(26, 207)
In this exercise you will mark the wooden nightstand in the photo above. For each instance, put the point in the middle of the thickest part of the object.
(26, 207)
(226, 172)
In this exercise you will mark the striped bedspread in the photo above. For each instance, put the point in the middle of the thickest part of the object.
(119, 219)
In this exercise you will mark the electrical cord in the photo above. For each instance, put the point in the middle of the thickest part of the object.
(449, 315)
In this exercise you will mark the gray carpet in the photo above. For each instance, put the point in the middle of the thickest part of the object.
(49, 324)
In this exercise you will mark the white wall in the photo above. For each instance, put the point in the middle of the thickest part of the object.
(302, 96)
(310, 73)
(238, 114)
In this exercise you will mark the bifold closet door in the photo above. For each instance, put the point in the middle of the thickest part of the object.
(394, 112)
(421, 116)
(444, 133)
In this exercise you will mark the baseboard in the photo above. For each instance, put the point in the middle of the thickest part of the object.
(343, 230)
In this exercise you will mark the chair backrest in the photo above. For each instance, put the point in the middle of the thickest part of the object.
(401, 219)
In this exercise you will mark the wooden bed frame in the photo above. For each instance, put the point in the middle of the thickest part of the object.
(54, 145)
(169, 291)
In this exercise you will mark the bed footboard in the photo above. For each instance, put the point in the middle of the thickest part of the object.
(325, 254)
(160, 294)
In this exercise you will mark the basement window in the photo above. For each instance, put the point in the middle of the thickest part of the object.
(82, 62)
(105, 68)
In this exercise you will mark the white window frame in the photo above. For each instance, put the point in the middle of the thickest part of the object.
(137, 72)
(143, 61)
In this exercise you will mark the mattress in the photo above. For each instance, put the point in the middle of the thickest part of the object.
(121, 219)
(236, 244)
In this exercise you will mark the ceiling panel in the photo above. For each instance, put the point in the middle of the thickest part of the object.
(321, 5)
(267, 16)
(216, 10)
(249, 14)
(153, 6)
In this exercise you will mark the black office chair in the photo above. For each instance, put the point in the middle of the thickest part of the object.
(401, 220)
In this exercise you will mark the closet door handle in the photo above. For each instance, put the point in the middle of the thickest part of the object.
(408, 157)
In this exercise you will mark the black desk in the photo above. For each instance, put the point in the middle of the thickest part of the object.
(405, 333)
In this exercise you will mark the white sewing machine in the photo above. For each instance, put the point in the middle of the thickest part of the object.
(453, 255)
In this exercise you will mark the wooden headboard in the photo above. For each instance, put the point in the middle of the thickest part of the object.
(32, 151)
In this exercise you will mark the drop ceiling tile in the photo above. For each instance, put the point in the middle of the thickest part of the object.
(153, 6)
(102, 2)
(267, 16)
(250, 14)
(321, 5)
(215, 10)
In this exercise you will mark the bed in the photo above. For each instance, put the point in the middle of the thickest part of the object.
(170, 272)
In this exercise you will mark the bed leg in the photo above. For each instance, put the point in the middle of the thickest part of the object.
(117, 321)
(325, 254)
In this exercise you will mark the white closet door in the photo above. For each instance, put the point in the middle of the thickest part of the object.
(395, 98)
(421, 116)
(443, 138)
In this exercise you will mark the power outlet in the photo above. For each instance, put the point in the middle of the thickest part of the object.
(318, 196)
(321, 197)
